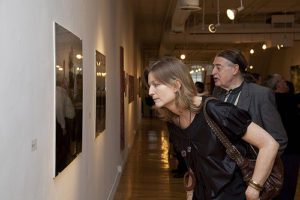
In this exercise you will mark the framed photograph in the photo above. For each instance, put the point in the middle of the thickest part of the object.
(122, 93)
(100, 93)
(69, 97)
(139, 86)
(295, 76)
(130, 88)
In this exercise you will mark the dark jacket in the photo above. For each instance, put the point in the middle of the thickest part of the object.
(260, 102)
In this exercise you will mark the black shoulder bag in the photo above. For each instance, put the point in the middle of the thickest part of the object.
(273, 184)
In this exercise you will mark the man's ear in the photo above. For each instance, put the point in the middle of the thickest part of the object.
(236, 68)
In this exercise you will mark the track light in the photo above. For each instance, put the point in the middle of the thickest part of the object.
(278, 46)
(182, 56)
(231, 13)
(213, 27)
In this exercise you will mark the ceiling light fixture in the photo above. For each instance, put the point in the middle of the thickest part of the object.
(182, 56)
(213, 27)
(252, 51)
(190, 5)
(264, 46)
(231, 13)
(278, 46)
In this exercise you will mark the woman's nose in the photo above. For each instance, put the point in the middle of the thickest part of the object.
(150, 91)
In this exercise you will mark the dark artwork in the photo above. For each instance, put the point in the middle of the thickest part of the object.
(122, 92)
(100, 93)
(295, 77)
(131, 89)
(69, 90)
(139, 86)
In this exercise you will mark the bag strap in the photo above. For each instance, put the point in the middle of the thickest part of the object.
(231, 150)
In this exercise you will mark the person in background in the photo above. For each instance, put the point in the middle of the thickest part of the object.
(200, 87)
(249, 77)
(216, 176)
(258, 78)
(287, 107)
(259, 101)
(291, 87)
(149, 102)
(252, 78)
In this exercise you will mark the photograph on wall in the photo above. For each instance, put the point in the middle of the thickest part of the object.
(295, 77)
(130, 89)
(100, 92)
(139, 80)
(122, 93)
(126, 79)
(69, 93)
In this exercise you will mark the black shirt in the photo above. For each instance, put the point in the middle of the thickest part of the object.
(217, 176)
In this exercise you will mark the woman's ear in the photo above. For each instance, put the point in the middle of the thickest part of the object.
(177, 85)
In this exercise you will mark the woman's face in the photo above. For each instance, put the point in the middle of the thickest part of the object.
(162, 94)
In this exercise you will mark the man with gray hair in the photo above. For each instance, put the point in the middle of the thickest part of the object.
(259, 101)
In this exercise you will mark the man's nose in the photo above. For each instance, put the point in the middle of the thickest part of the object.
(214, 71)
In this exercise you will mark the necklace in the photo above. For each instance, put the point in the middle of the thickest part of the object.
(189, 121)
(189, 179)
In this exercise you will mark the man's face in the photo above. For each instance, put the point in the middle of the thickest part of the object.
(224, 72)
(281, 86)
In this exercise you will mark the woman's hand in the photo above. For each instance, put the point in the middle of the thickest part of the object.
(252, 194)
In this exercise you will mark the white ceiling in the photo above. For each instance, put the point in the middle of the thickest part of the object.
(252, 26)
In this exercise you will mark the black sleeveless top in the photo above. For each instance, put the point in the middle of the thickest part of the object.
(217, 176)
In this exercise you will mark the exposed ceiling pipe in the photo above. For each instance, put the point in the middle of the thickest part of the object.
(203, 14)
(179, 18)
(213, 27)
(245, 28)
(182, 11)
(189, 5)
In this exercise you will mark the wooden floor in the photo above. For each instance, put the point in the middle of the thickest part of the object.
(147, 172)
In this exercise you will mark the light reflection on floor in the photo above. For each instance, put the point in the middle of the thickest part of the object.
(147, 172)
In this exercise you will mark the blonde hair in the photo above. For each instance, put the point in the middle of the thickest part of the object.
(167, 70)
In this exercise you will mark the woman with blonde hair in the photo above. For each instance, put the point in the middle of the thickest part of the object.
(216, 175)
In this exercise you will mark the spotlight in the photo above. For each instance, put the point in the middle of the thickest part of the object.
(231, 13)
(182, 56)
(212, 28)
(278, 47)
(252, 51)
(264, 46)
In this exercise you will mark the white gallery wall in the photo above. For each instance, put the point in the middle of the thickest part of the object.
(276, 61)
(27, 76)
(282, 60)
